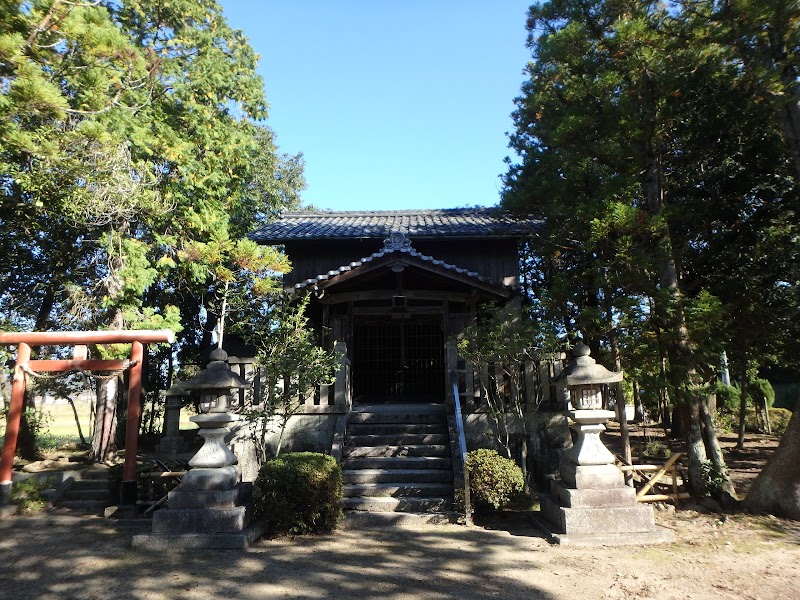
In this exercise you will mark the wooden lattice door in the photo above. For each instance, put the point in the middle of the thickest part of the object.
(398, 360)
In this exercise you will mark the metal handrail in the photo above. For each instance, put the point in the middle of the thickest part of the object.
(462, 447)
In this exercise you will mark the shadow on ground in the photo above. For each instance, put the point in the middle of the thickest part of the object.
(87, 558)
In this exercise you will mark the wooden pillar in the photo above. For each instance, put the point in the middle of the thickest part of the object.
(128, 492)
(451, 364)
(12, 423)
(341, 387)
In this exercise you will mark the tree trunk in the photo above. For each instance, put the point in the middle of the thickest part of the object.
(638, 412)
(27, 447)
(103, 437)
(776, 490)
(714, 451)
(742, 404)
(697, 452)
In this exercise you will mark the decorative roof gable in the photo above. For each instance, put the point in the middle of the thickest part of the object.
(397, 245)
(451, 223)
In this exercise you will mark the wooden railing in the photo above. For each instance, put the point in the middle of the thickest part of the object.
(536, 377)
(336, 398)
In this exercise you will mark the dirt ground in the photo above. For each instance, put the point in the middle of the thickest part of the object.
(56, 556)
(736, 557)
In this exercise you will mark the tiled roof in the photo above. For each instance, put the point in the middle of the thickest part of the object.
(401, 246)
(456, 222)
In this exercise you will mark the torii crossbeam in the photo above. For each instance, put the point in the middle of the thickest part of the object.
(24, 341)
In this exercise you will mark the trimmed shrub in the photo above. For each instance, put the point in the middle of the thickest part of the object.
(299, 492)
(761, 392)
(728, 398)
(779, 420)
(494, 481)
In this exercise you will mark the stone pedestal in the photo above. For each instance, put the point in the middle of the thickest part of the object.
(591, 505)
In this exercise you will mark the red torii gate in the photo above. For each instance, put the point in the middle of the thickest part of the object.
(24, 341)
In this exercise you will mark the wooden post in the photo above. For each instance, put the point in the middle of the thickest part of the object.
(128, 492)
(12, 423)
(341, 386)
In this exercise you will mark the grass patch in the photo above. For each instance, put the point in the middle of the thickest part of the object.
(28, 495)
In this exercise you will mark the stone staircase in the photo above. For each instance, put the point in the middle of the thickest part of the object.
(396, 458)
(87, 492)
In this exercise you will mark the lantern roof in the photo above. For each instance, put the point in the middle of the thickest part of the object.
(217, 375)
(585, 370)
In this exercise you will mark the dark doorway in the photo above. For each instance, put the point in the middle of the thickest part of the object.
(398, 360)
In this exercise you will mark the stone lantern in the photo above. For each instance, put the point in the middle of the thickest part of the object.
(208, 509)
(171, 442)
(591, 503)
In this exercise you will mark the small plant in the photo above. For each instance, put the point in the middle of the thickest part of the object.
(494, 481)
(654, 447)
(299, 492)
(715, 477)
(28, 495)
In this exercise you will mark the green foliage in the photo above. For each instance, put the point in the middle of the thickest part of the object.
(28, 495)
(133, 157)
(661, 144)
(779, 420)
(299, 492)
(728, 398)
(292, 363)
(494, 481)
(761, 393)
(504, 337)
(715, 478)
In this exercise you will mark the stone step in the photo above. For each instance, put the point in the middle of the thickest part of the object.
(397, 451)
(91, 494)
(95, 474)
(397, 439)
(407, 408)
(412, 505)
(87, 505)
(386, 418)
(90, 484)
(356, 429)
(397, 490)
(395, 462)
(398, 476)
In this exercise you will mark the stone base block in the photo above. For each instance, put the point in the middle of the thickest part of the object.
(170, 446)
(594, 521)
(611, 497)
(200, 520)
(198, 541)
(591, 476)
(658, 536)
(182, 499)
(220, 478)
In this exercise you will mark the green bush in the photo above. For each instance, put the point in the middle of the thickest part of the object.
(299, 492)
(728, 398)
(760, 392)
(779, 420)
(494, 481)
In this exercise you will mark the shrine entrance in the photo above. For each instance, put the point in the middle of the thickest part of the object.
(398, 360)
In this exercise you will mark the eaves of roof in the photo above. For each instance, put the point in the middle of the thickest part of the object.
(422, 259)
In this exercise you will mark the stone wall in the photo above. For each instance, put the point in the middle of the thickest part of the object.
(549, 439)
(304, 433)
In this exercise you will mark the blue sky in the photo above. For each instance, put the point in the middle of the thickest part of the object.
(395, 105)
